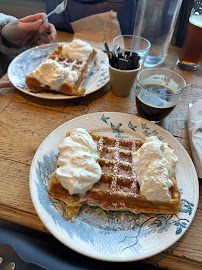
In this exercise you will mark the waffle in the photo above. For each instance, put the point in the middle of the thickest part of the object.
(117, 189)
(82, 68)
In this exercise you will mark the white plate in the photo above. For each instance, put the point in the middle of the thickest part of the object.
(27, 61)
(110, 235)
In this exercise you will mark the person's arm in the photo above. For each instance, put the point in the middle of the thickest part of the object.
(5, 48)
(27, 31)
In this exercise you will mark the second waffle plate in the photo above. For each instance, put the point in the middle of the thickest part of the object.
(27, 61)
(111, 235)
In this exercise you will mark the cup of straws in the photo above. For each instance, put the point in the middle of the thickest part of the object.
(125, 61)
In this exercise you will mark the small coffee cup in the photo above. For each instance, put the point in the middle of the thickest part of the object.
(121, 81)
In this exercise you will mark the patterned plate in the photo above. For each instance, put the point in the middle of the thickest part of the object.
(111, 235)
(27, 61)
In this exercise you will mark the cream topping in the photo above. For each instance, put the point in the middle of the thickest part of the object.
(78, 168)
(196, 20)
(77, 49)
(155, 164)
(51, 73)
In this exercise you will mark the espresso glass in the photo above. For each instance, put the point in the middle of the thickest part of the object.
(158, 91)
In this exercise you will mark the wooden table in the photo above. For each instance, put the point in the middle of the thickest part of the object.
(25, 121)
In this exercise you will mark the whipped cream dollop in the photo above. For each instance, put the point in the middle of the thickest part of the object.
(51, 73)
(78, 168)
(77, 49)
(155, 164)
(196, 20)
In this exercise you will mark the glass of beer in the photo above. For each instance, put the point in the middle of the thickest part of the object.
(158, 91)
(191, 52)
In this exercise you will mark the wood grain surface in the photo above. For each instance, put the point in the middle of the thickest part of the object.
(25, 121)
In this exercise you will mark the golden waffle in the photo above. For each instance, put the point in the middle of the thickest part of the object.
(82, 67)
(117, 189)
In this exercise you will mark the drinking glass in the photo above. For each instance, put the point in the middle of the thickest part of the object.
(192, 48)
(158, 91)
(133, 44)
(155, 20)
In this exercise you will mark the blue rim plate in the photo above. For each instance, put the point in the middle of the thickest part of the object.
(26, 62)
(113, 235)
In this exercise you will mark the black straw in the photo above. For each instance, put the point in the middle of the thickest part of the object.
(128, 61)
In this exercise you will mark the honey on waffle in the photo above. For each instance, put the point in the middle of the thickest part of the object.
(118, 188)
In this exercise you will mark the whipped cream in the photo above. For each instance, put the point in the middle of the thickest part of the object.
(196, 20)
(155, 164)
(78, 168)
(51, 73)
(77, 49)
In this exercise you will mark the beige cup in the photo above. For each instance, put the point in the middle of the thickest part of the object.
(121, 81)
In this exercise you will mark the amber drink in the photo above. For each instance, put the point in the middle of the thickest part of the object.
(191, 52)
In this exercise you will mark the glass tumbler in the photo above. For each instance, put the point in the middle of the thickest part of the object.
(155, 20)
(158, 91)
(192, 48)
(132, 44)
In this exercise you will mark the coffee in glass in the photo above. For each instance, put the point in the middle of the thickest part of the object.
(158, 91)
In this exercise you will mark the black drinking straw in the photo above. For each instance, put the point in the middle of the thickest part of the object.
(128, 61)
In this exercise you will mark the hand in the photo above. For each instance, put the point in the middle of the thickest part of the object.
(30, 30)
